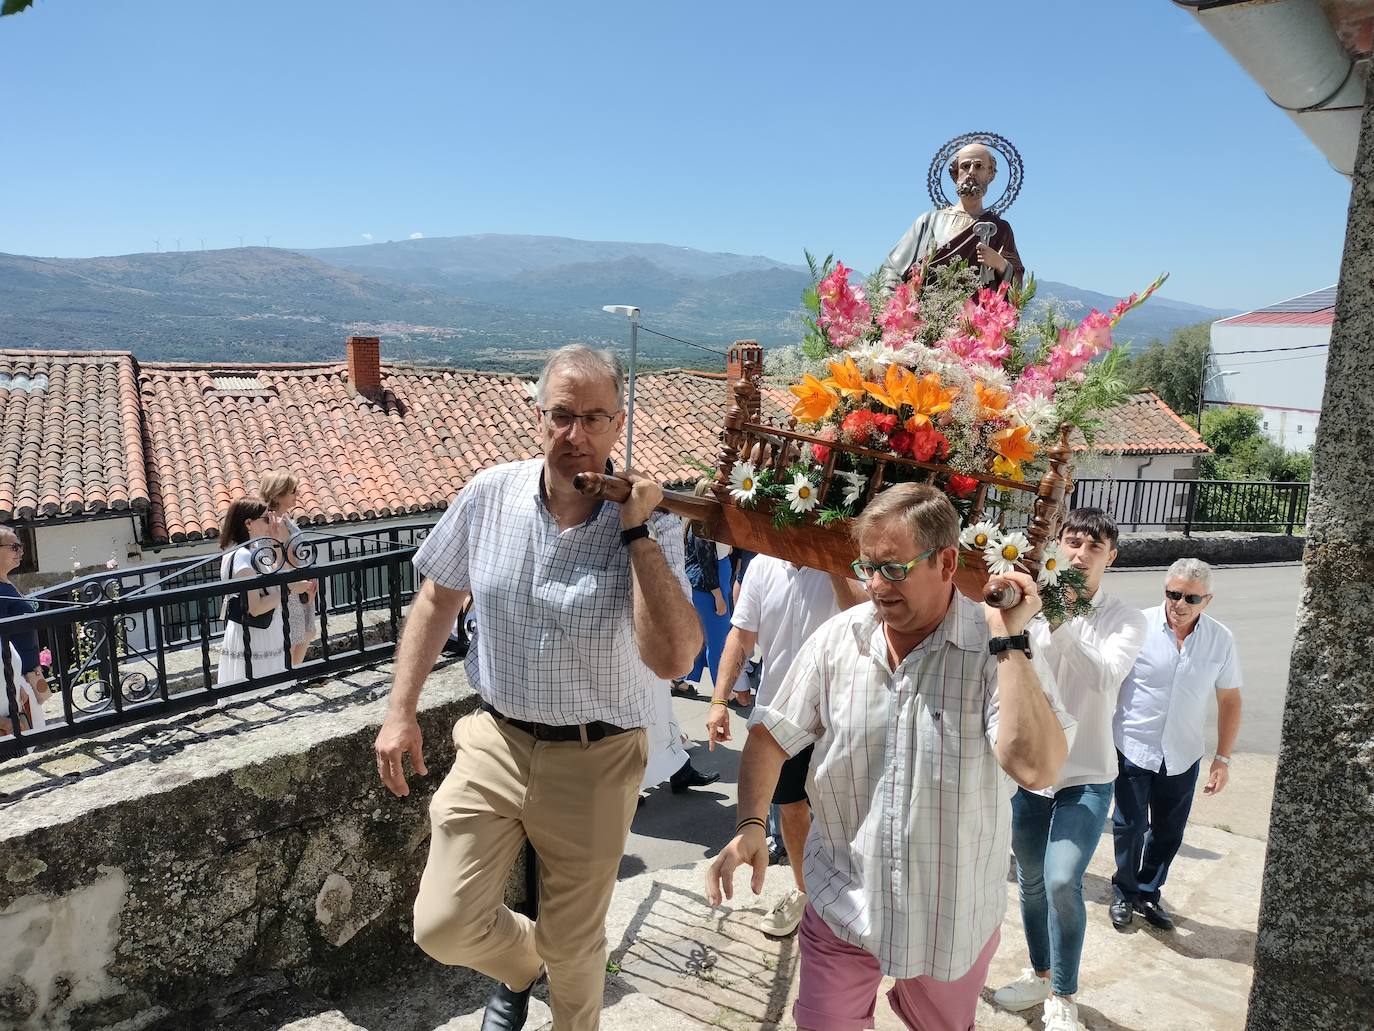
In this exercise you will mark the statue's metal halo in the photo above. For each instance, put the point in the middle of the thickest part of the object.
(1011, 163)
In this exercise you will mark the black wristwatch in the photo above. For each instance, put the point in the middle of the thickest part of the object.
(636, 533)
(1019, 642)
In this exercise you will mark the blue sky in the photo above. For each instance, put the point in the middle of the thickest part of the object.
(752, 128)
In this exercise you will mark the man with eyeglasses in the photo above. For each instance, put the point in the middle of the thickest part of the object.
(1159, 727)
(924, 708)
(583, 609)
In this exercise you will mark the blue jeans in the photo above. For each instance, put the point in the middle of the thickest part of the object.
(1151, 811)
(717, 628)
(1054, 839)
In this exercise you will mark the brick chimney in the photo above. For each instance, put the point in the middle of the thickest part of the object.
(745, 360)
(365, 366)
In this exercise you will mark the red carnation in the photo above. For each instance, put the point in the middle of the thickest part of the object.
(820, 452)
(885, 423)
(901, 442)
(927, 444)
(962, 486)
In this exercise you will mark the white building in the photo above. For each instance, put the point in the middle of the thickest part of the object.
(1274, 359)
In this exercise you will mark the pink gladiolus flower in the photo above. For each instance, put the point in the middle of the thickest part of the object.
(845, 314)
(900, 320)
(1036, 381)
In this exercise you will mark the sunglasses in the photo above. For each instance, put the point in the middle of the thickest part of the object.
(1191, 599)
(894, 572)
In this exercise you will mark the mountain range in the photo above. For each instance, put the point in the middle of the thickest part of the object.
(488, 301)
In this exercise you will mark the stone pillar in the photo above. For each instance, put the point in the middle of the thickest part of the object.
(1314, 959)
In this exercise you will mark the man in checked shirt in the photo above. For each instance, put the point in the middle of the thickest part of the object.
(583, 609)
(923, 708)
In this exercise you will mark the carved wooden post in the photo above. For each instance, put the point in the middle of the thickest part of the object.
(1049, 501)
(743, 374)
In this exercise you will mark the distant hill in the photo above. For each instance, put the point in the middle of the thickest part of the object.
(475, 301)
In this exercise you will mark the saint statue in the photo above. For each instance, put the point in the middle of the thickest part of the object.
(965, 229)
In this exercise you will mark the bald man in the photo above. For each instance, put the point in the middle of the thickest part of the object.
(938, 237)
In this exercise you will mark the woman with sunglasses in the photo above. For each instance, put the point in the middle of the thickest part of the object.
(13, 603)
(1159, 729)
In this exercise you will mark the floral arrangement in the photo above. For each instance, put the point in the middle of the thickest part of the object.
(941, 372)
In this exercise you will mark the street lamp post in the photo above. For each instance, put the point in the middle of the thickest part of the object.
(633, 314)
(1203, 379)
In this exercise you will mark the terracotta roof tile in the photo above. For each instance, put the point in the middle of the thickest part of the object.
(181, 442)
(70, 436)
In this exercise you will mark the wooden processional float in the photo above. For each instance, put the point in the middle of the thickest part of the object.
(768, 445)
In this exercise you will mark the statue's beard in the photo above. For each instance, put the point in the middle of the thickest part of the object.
(970, 187)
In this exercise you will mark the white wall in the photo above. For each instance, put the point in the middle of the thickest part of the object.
(1285, 386)
(64, 547)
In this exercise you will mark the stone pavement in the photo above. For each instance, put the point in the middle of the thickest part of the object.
(678, 965)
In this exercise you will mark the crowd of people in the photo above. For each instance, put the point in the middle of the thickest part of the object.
(901, 741)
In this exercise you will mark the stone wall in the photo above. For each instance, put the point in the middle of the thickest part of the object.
(1223, 548)
(142, 870)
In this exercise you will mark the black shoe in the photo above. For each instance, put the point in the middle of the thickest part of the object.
(507, 1009)
(683, 689)
(1156, 914)
(1122, 913)
(690, 777)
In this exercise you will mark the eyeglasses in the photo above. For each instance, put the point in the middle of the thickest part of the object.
(16, 546)
(894, 572)
(1191, 599)
(593, 422)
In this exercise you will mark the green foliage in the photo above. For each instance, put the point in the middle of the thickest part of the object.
(1053, 603)
(1241, 451)
(827, 516)
(1173, 370)
(1103, 388)
(15, 6)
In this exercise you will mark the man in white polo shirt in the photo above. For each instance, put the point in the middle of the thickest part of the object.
(780, 606)
(1159, 728)
(1054, 831)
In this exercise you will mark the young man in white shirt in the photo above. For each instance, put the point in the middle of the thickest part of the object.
(1159, 727)
(921, 705)
(780, 605)
(1055, 830)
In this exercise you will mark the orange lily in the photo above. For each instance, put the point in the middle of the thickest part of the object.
(891, 393)
(1013, 446)
(846, 378)
(992, 401)
(927, 397)
(816, 400)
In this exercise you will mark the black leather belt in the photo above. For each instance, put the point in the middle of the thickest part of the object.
(595, 731)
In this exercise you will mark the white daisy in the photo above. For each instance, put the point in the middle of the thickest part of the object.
(801, 495)
(743, 481)
(980, 536)
(855, 485)
(1052, 563)
(1003, 555)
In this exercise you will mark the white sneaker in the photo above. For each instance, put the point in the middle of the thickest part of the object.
(1026, 991)
(1061, 1015)
(786, 916)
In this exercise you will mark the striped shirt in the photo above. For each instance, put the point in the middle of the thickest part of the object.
(554, 610)
(911, 817)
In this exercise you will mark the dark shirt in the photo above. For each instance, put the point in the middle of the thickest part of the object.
(703, 568)
(12, 603)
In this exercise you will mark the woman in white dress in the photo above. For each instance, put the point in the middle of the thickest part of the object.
(247, 520)
(278, 490)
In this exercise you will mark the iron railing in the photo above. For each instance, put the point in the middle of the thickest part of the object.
(131, 644)
(1188, 505)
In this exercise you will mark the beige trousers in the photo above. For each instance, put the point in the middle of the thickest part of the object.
(574, 803)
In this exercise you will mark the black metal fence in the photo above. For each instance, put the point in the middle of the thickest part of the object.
(137, 643)
(1188, 505)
